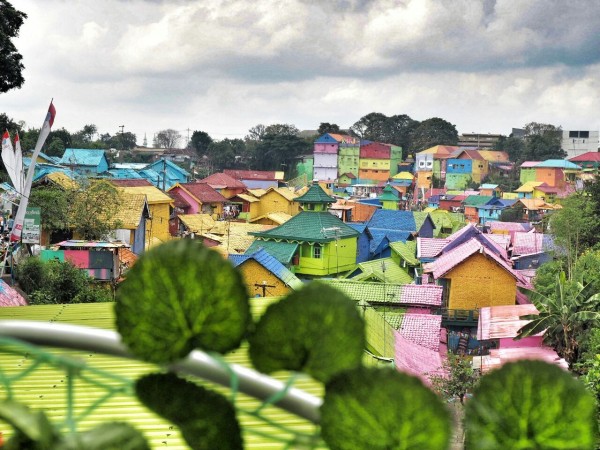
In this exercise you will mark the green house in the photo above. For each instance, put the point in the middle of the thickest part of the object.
(324, 244)
(389, 198)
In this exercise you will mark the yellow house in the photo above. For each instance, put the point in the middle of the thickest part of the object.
(278, 200)
(474, 276)
(160, 204)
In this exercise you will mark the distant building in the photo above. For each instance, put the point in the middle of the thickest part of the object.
(478, 140)
(577, 143)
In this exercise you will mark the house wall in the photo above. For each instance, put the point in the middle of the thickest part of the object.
(348, 159)
(471, 214)
(390, 204)
(333, 259)
(374, 164)
(457, 181)
(331, 148)
(253, 273)
(193, 202)
(480, 170)
(527, 174)
(479, 282)
(273, 201)
(423, 162)
(103, 166)
(139, 238)
(362, 248)
(395, 159)
(374, 174)
(424, 179)
(158, 225)
(531, 341)
(426, 229)
(459, 166)
(551, 176)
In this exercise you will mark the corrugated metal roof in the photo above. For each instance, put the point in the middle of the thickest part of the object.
(132, 208)
(73, 243)
(497, 322)
(153, 194)
(282, 251)
(9, 296)
(82, 157)
(203, 192)
(197, 223)
(271, 264)
(222, 180)
(45, 388)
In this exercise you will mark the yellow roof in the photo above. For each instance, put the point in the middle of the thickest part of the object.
(197, 223)
(277, 217)
(248, 198)
(537, 203)
(226, 227)
(528, 186)
(286, 193)
(257, 192)
(130, 210)
(494, 155)
(153, 194)
(63, 180)
(403, 176)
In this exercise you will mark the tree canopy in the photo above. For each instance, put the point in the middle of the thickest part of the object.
(378, 127)
(11, 66)
(326, 127)
(434, 131)
(168, 138)
(200, 142)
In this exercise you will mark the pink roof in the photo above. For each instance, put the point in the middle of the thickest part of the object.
(500, 239)
(430, 247)
(421, 294)
(422, 329)
(529, 164)
(509, 226)
(586, 157)
(415, 359)
(9, 296)
(546, 189)
(474, 232)
(527, 243)
(222, 180)
(496, 322)
(458, 255)
(268, 175)
(471, 154)
(434, 191)
(499, 357)
(203, 192)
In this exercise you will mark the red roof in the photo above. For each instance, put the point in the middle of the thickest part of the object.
(471, 154)
(222, 180)
(587, 157)
(203, 192)
(375, 150)
(137, 182)
(264, 175)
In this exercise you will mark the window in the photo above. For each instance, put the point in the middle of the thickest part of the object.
(317, 251)
(307, 251)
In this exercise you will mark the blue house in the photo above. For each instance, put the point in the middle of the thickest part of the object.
(493, 209)
(401, 221)
(164, 174)
(364, 240)
(458, 173)
(84, 161)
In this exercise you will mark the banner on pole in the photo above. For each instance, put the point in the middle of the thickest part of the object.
(32, 226)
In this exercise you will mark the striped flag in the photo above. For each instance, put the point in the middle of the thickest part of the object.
(8, 158)
(20, 179)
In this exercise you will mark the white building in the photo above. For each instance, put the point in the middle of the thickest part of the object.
(576, 143)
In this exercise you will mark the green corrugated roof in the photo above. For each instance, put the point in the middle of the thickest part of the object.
(477, 200)
(407, 251)
(388, 194)
(281, 251)
(315, 194)
(372, 292)
(393, 316)
(310, 226)
(45, 388)
(420, 218)
(374, 270)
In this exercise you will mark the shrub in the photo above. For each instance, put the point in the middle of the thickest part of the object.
(31, 273)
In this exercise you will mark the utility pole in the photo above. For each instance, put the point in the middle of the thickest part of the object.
(264, 287)
(121, 133)
(188, 138)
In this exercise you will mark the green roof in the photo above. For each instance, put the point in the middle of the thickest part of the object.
(281, 251)
(477, 200)
(388, 194)
(309, 226)
(393, 316)
(369, 291)
(407, 251)
(315, 194)
(45, 388)
(374, 270)
(420, 218)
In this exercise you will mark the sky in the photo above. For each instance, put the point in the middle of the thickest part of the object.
(224, 66)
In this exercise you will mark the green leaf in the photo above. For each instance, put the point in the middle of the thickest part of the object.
(382, 409)
(206, 419)
(530, 405)
(180, 296)
(32, 429)
(108, 436)
(317, 330)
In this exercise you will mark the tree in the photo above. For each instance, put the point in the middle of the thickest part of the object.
(200, 142)
(92, 209)
(84, 138)
(434, 131)
(224, 154)
(6, 123)
(11, 67)
(565, 316)
(279, 151)
(459, 378)
(168, 138)
(543, 141)
(326, 127)
(255, 133)
(514, 147)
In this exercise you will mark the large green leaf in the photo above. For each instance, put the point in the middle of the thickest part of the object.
(180, 296)
(32, 428)
(108, 436)
(317, 330)
(206, 419)
(530, 405)
(382, 409)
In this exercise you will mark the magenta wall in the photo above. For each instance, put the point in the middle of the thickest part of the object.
(326, 148)
(195, 207)
(532, 341)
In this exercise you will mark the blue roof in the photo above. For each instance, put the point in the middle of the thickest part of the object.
(401, 183)
(271, 264)
(488, 186)
(392, 220)
(499, 203)
(558, 163)
(128, 174)
(46, 170)
(158, 166)
(360, 227)
(370, 201)
(82, 156)
(326, 139)
(54, 159)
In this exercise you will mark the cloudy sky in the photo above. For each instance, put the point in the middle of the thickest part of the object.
(223, 66)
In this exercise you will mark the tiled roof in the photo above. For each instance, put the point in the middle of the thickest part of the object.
(127, 257)
(389, 194)
(509, 226)
(422, 329)
(534, 204)
(268, 175)
(477, 200)
(203, 192)
(415, 359)
(222, 180)
(315, 194)
(286, 193)
(138, 182)
(310, 226)
(393, 220)
(430, 247)
(367, 291)
(197, 223)
(82, 157)
(407, 251)
(63, 180)
(277, 217)
(420, 218)
(469, 232)
(404, 176)
(271, 264)
(360, 227)
(586, 157)
(500, 239)
(384, 270)
(257, 192)
(9, 296)
(494, 155)
(153, 194)
(132, 208)
(472, 154)
(558, 164)
(530, 243)
(282, 251)
(248, 198)
(421, 294)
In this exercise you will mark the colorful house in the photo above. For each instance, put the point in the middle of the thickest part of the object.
(324, 244)
(200, 198)
(589, 160)
(325, 156)
(383, 270)
(278, 200)
(83, 161)
(532, 209)
(493, 209)
(160, 205)
(348, 157)
(556, 172)
(471, 205)
(248, 206)
(346, 178)
(225, 184)
(264, 275)
(404, 254)
(164, 174)
(374, 162)
(131, 219)
(253, 179)
(490, 190)
(364, 241)
(389, 198)
(528, 171)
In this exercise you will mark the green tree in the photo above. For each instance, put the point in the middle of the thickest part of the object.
(7, 123)
(514, 147)
(11, 67)
(121, 141)
(434, 131)
(459, 378)
(543, 141)
(326, 127)
(200, 142)
(378, 127)
(565, 316)
(92, 208)
(279, 151)
(54, 206)
(168, 138)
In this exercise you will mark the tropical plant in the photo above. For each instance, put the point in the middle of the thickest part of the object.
(564, 316)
